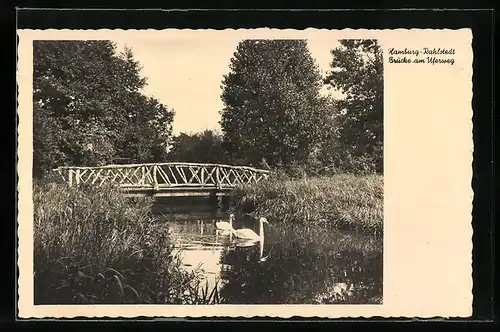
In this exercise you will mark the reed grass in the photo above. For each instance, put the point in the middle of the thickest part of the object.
(324, 232)
(346, 202)
(97, 246)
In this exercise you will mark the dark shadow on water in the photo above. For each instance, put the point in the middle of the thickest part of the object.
(187, 208)
(297, 272)
(209, 206)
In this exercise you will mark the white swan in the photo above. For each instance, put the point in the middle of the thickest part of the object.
(224, 226)
(249, 241)
(249, 234)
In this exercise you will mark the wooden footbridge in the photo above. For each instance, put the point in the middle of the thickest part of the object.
(166, 179)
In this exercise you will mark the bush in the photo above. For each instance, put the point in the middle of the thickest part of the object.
(96, 246)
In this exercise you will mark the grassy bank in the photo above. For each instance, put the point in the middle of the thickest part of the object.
(341, 201)
(96, 246)
(323, 242)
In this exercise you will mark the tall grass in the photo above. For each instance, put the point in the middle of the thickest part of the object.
(326, 233)
(96, 246)
(342, 201)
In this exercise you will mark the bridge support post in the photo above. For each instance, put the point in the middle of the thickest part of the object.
(77, 176)
(155, 178)
(224, 203)
(219, 202)
(215, 200)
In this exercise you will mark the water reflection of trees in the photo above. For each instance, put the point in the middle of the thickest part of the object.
(297, 272)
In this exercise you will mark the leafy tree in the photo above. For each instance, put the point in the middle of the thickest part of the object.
(199, 147)
(86, 105)
(149, 131)
(273, 109)
(357, 71)
(46, 141)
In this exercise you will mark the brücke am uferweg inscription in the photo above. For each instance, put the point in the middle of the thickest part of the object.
(425, 55)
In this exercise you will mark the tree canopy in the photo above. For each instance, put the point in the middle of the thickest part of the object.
(204, 147)
(357, 71)
(272, 106)
(88, 107)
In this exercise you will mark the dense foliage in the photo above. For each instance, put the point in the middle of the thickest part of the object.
(274, 111)
(342, 201)
(95, 246)
(273, 108)
(204, 147)
(357, 71)
(88, 108)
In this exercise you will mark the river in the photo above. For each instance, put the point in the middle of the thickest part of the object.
(291, 266)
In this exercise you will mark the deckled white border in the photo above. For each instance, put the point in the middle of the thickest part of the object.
(428, 172)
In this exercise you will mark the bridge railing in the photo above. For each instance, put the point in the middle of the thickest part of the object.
(164, 175)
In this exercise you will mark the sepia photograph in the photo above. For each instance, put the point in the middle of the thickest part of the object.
(253, 177)
(243, 173)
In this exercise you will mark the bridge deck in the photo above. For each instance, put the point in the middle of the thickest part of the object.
(176, 192)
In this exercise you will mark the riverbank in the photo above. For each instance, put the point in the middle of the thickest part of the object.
(96, 246)
(344, 202)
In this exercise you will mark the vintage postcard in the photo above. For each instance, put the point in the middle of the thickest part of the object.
(245, 173)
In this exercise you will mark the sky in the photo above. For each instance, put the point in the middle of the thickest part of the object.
(186, 75)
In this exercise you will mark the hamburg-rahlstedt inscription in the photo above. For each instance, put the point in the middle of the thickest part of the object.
(424, 55)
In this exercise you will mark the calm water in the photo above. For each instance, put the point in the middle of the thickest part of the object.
(291, 266)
